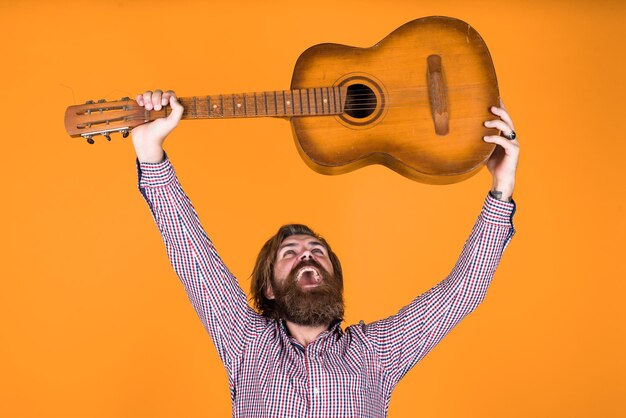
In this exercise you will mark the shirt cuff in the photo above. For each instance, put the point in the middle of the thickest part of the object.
(498, 212)
(155, 174)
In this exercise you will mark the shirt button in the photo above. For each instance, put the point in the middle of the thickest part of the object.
(316, 391)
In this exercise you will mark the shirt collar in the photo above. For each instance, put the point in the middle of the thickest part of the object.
(333, 328)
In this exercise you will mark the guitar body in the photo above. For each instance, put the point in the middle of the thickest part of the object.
(395, 122)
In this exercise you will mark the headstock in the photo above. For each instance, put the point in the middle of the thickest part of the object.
(104, 118)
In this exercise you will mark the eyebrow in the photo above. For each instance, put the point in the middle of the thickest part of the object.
(293, 244)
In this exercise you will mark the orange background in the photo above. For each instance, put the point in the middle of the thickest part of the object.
(94, 323)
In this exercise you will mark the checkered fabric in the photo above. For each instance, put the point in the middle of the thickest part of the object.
(343, 373)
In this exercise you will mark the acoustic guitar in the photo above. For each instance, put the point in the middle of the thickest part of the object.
(414, 102)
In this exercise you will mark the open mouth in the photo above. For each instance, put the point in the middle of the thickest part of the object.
(308, 276)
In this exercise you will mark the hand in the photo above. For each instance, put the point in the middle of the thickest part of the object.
(148, 138)
(503, 162)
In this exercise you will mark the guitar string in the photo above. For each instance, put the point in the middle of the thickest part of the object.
(362, 97)
(364, 92)
(228, 112)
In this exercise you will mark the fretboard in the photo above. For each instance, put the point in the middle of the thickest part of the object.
(282, 103)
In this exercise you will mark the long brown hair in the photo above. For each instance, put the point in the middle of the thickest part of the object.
(264, 266)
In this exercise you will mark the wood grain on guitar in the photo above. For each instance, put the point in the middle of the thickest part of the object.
(414, 102)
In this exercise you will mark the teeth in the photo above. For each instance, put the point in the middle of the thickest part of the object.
(307, 269)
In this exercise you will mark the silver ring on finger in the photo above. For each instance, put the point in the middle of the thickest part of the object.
(511, 136)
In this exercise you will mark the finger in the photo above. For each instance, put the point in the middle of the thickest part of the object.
(156, 99)
(502, 104)
(139, 99)
(510, 147)
(501, 125)
(165, 98)
(147, 100)
(498, 111)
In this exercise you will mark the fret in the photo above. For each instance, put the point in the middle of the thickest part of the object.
(330, 99)
(295, 106)
(291, 102)
(334, 100)
(300, 102)
(228, 107)
(315, 101)
(261, 102)
(237, 104)
(277, 107)
(256, 109)
(265, 102)
(245, 104)
(284, 104)
(329, 102)
(321, 101)
(279, 103)
(271, 103)
(216, 110)
(339, 100)
(338, 94)
(308, 102)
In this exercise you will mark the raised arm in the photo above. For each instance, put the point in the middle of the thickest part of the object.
(401, 340)
(214, 292)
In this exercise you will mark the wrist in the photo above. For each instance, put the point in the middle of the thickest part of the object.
(503, 192)
(500, 196)
(150, 155)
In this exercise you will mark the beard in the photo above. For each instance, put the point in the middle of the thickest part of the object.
(316, 306)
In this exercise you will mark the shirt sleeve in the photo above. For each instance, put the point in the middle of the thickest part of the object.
(214, 292)
(402, 340)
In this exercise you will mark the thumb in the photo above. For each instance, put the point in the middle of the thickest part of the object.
(177, 113)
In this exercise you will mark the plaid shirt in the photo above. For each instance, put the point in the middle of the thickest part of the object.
(343, 373)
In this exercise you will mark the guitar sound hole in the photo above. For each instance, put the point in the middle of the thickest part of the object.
(360, 101)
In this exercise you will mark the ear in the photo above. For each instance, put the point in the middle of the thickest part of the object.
(269, 291)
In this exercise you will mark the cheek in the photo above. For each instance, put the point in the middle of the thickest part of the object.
(281, 271)
(328, 266)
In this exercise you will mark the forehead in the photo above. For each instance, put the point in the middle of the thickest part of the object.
(300, 240)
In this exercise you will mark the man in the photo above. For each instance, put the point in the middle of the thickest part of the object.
(292, 359)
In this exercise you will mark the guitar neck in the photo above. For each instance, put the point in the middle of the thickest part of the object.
(104, 118)
(280, 103)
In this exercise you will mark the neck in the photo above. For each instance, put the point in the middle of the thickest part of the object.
(321, 101)
(304, 334)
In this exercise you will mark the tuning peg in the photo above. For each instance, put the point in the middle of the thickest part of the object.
(107, 136)
(125, 98)
(89, 102)
(125, 133)
(101, 101)
(89, 139)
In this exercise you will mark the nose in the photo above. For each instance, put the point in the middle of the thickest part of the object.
(306, 255)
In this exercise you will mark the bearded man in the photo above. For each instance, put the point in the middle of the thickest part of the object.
(291, 358)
